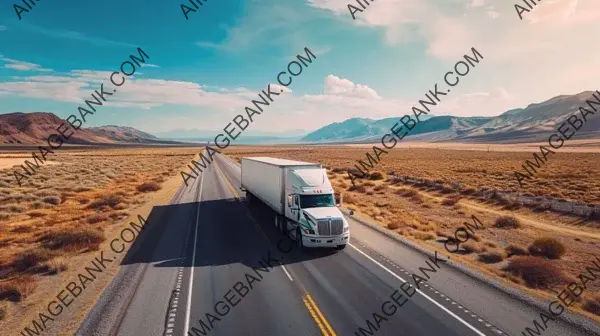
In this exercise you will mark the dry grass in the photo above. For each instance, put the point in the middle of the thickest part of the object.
(63, 210)
(412, 208)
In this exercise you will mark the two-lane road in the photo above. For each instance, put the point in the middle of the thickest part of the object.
(213, 264)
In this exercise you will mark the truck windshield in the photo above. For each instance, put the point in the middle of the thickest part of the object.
(316, 201)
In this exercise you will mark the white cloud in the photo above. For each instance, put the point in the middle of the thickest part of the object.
(22, 66)
(149, 65)
(477, 3)
(342, 87)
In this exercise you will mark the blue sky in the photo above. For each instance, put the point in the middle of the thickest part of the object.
(205, 69)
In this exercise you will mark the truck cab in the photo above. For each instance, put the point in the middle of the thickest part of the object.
(312, 217)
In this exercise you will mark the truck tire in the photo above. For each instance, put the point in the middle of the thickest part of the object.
(340, 247)
(282, 225)
(299, 242)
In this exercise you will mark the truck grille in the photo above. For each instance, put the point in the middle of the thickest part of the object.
(333, 228)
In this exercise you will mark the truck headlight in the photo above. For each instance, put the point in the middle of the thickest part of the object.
(346, 229)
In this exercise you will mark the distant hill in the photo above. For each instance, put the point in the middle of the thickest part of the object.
(35, 127)
(354, 129)
(534, 123)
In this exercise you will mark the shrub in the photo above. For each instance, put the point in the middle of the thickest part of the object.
(393, 226)
(54, 200)
(492, 257)
(377, 175)
(468, 191)
(32, 258)
(16, 290)
(507, 222)
(73, 239)
(82, 189)
(547, 247)
(471, 247)
(148, 187)
(110, 200)
(22, 229)
(96, 219)
(56, 265)
(536, 272)
(4, 216)
(592, 304)
(423, 235)
(36, 214)
(450, 201)
(15, 208)
(514, 249)
(357, 188)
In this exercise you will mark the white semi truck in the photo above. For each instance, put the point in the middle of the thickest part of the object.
(301, 196)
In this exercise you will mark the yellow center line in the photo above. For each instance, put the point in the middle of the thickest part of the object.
(327, 326)
(314, 316)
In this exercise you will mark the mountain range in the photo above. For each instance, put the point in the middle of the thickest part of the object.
(35, 127)
(536, 122)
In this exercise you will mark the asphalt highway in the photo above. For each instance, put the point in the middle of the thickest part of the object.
(212, 264)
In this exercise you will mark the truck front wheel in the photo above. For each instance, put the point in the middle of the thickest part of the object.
(340, 247)
(299, 241)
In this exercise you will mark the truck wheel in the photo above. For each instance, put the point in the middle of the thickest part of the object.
(340, 247)
(282, 225)
(299, 239)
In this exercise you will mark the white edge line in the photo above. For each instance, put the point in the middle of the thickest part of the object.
(420, 292)
(189, 298)
(288, 274)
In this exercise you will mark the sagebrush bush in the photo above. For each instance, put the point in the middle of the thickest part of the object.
(96, 219)
(54, 200)
(72, 239)
(56, 265)
(450, 201)
(393, 226)
(514, 249)
(110, 200)
(536, 272)
(31, 258)
(377, 175)
(507, 222)
(491, 257)
(592, 304)
(547, 247)
(148, 187)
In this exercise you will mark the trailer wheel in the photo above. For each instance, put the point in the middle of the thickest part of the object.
(282, 225)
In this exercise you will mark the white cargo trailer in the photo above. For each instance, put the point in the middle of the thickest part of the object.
(302, 197)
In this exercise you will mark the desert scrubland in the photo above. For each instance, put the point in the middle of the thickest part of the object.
(60, 216)
(528, 246)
